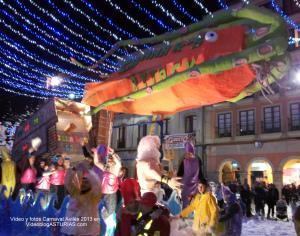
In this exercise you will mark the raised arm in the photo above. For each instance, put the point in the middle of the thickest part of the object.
(97, 163)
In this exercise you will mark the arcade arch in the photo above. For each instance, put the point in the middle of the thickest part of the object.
(229, 171)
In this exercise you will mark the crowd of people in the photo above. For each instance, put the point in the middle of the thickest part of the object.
(110, 203)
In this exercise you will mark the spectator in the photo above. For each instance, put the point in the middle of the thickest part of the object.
(259, 199)
(246, 197)
(271, 199)
(286, 192)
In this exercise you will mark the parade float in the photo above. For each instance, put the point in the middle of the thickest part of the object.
(61, 126)
(226, 58)
(222, 59)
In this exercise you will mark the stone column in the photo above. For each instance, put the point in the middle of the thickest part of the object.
(277, 180)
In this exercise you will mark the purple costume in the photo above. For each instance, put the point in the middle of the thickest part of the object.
(233, 214)
(190, 178)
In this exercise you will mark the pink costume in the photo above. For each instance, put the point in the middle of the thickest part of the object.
(58, 177)
(148, 166)
(110, 183)
(43, 183)
(29, 176)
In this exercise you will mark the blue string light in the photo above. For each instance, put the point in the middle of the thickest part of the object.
(95, 23)
(21, 49)
(22, 76)
(37, 78)
(167, 13)
(69, 18)
(184, 11)
(69, 30)
(223, 4)
(108, 20)
(151, 16)
(37, 86)
(199, 3)
(56, 40)
(288, 19)
(37, 69)
(22, 93)
(35, 43)
(130, 18)
(56, 32)
(293, 40)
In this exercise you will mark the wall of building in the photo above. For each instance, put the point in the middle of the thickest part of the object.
(176, 125)
(274, 148)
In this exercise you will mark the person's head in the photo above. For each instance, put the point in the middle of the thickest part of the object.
(31, 160)
(67, 162)
(133, 207)
(42, 163)
(147, 202)
(124, 172)
(202, 186)
(148, 148)
(60, 161)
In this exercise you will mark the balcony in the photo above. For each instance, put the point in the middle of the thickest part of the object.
(294, 125)
(274, 127)
(222, 133)
(249, 129)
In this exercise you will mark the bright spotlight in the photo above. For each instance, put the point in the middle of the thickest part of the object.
(71, 96)
(55, 81)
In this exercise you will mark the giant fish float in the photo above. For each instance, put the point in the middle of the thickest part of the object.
(225, 58)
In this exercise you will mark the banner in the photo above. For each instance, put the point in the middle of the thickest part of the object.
(177, 141)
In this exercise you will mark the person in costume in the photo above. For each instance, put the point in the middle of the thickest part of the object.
(57, 179)
(28, 173)
(26, 170)
(8, 172)
(232, 215)
(109, 184)
(130, 191)
(190, 172)
(205, 209)
(152, 219)
(82, 184)
(148, 166)
(43, 180)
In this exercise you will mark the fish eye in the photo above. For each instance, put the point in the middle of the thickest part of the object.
(211, 36)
